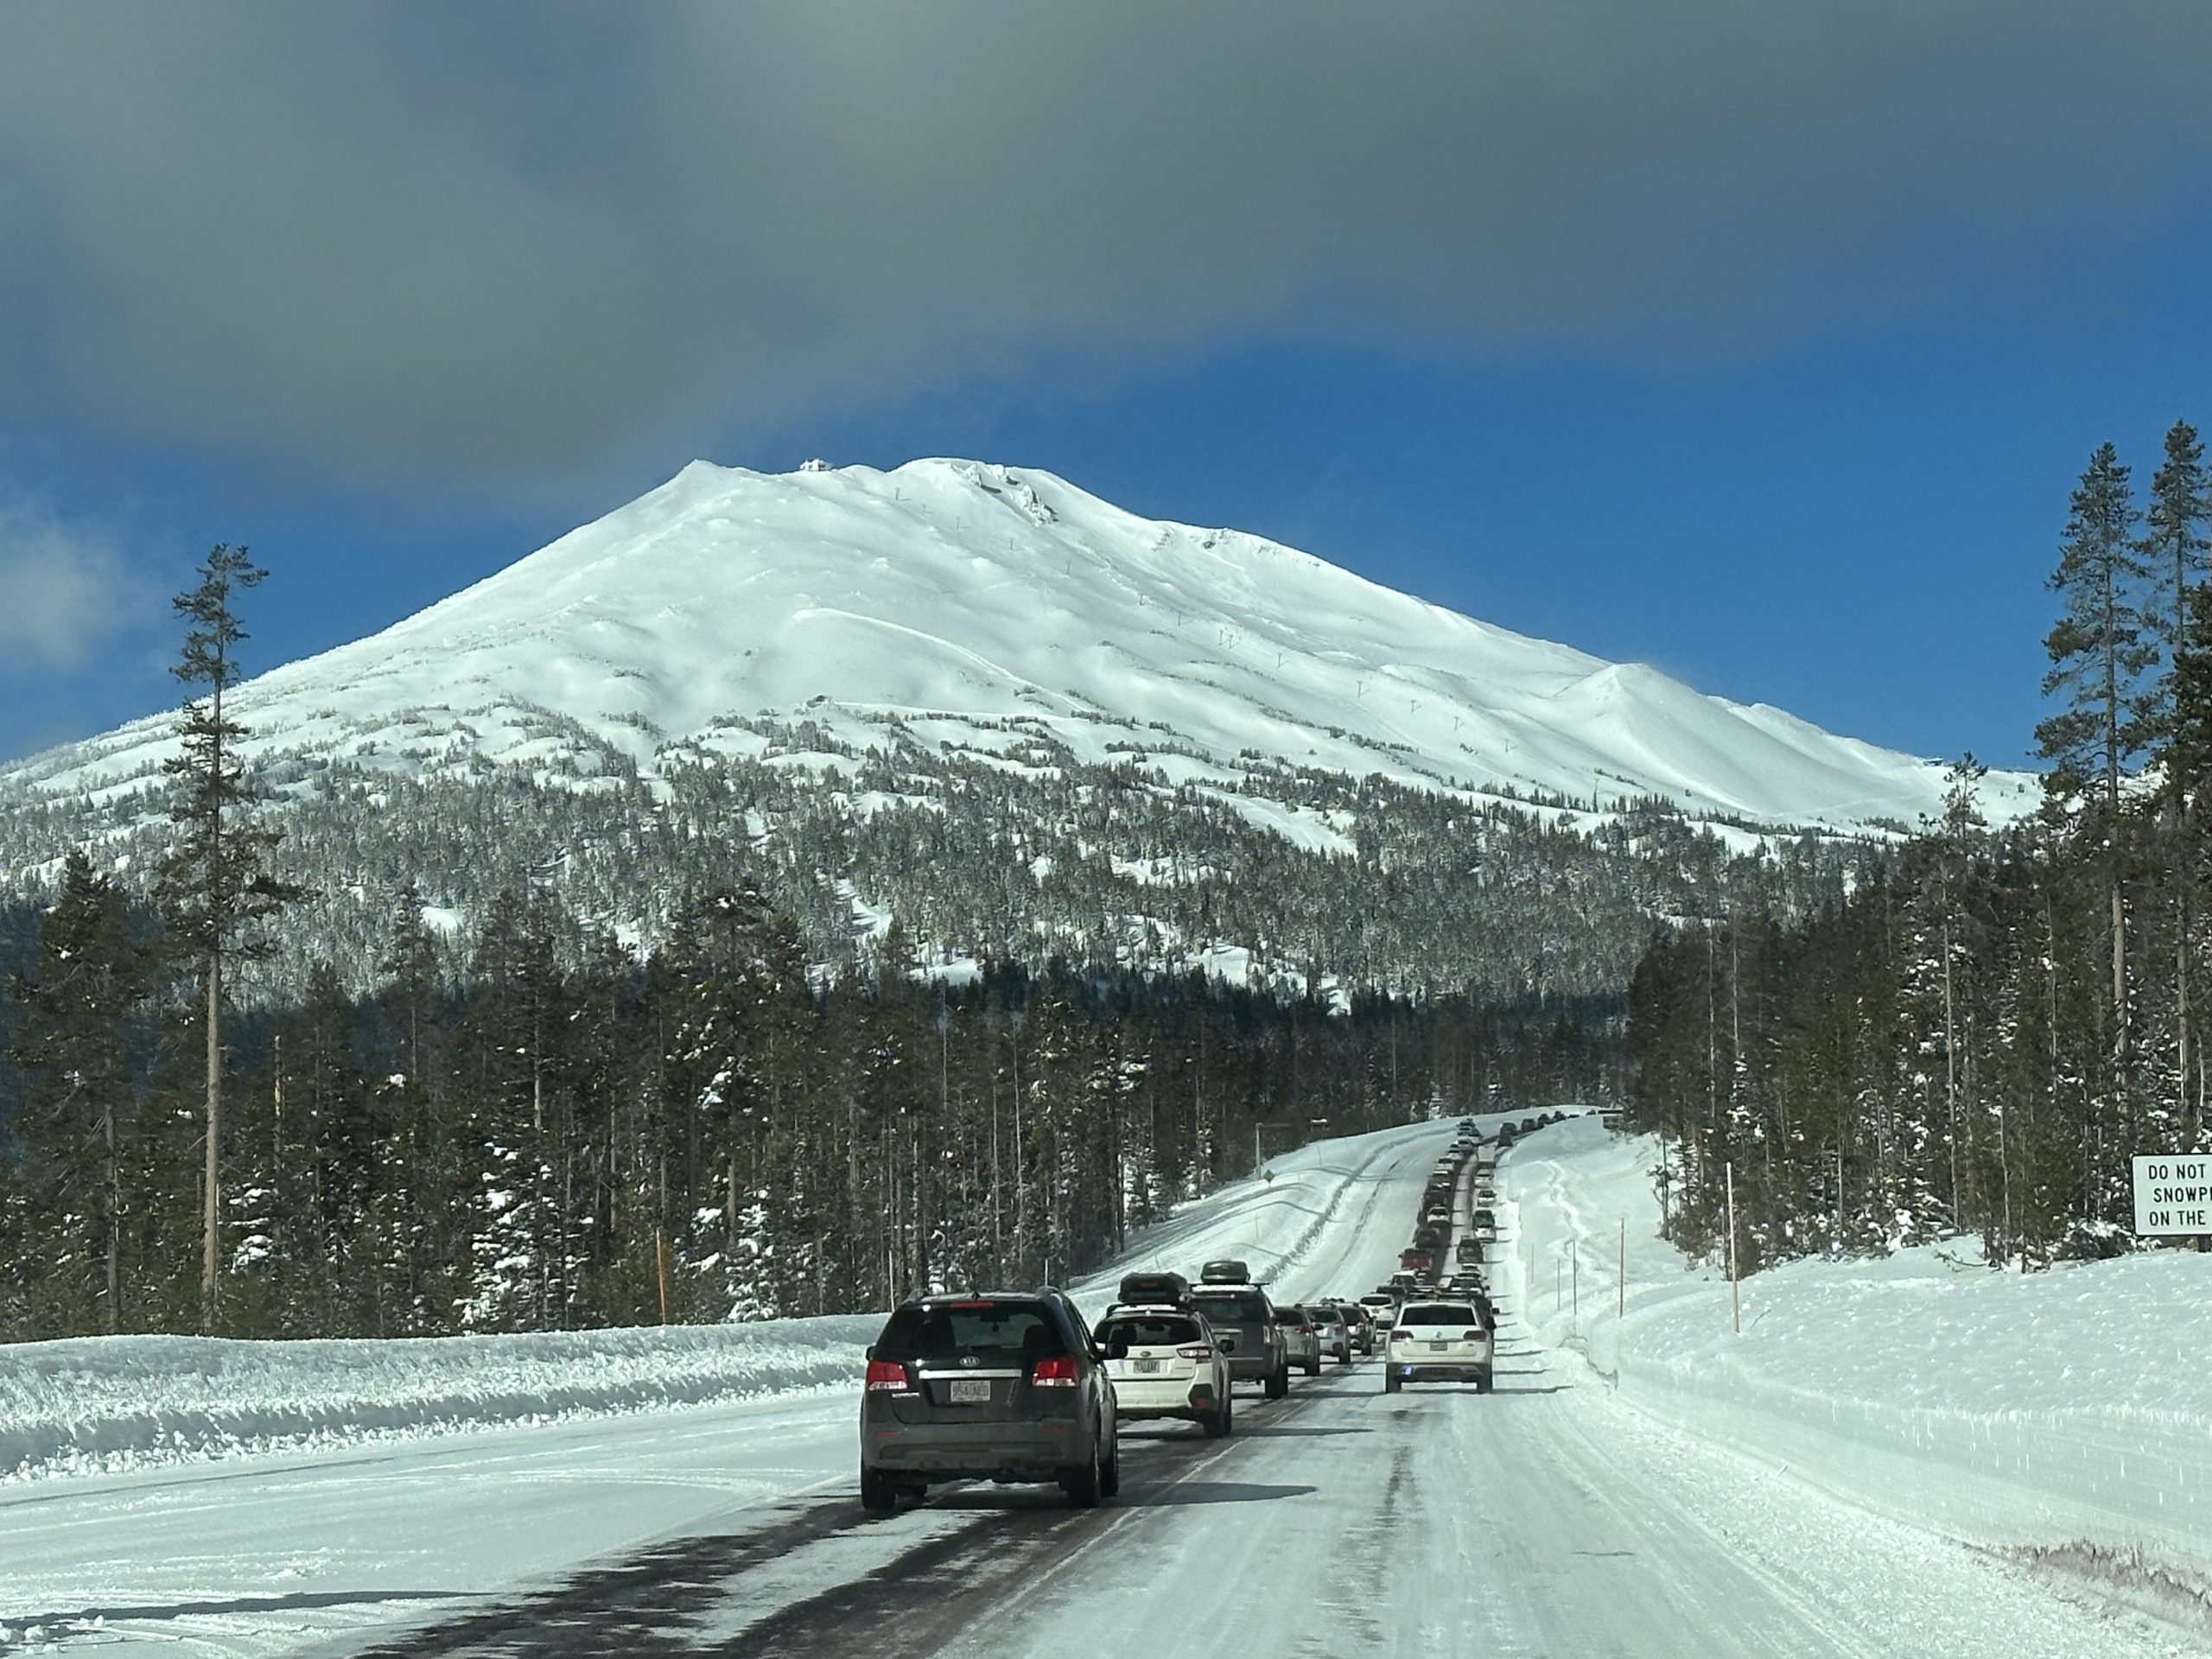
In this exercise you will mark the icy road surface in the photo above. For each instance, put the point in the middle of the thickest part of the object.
(1547, 1518)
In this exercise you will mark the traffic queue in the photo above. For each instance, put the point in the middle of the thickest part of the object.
(1015, 1387)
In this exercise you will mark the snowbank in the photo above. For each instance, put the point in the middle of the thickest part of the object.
(96, 1404)
(2059, 1411)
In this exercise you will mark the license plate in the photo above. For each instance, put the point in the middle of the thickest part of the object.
(1146, 1367)
(971, 1391)
(1433, 1348)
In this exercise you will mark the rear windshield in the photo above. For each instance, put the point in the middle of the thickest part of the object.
(1232, 1308)
(1437, 1313)
(1162, 1332)
(1011, 1333)
(1377, 1301)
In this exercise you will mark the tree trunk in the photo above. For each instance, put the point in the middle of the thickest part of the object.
(211, 1194)
(114, 1224)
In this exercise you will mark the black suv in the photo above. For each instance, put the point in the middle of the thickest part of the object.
(1004, 1387)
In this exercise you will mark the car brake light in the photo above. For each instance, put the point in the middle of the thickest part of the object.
(1055, 1371)
(1471, 1336)
(886, 1377)
(1399, 1335)
(1305, 1330)
(1194, 1353)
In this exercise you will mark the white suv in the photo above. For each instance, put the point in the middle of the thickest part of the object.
(1172, 1366)
(1437, 1341)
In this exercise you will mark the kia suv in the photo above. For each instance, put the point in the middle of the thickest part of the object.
(1002, 1386)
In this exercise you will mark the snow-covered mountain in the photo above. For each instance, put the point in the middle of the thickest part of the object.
(975, 606)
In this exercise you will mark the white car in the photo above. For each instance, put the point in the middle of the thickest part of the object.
(1299, 1339)
(1437, 1341)
(1164, 1362)
(1332, 1333)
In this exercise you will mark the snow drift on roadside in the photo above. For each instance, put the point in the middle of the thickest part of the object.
(2040, 1412)
(102, 1404)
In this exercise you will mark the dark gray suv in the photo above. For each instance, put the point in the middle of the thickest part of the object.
(1244, 1322)
(1004, 1387)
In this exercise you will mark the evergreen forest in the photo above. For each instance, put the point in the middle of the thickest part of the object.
(1980, 1034)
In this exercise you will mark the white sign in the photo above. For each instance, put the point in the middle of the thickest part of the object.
(2173, 1195)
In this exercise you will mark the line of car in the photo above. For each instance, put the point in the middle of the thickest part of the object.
(1015, 1387)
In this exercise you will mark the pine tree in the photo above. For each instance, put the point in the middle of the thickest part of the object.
(2185, 764)
(2180, 510)
(2100, 649)
(74, 1044)
(216, 887)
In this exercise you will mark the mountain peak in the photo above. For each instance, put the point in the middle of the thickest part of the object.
(966, 599)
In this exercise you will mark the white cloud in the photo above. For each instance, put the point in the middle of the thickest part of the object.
(63, 590)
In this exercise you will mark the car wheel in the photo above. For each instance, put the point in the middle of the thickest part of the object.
(1279, 1384)
(1084, 1486)
(1228, 1417)
(1109, 1478)
(1482, 1384)
(1345, 1359)
(1389, 1381)
(879, 1492)
(1313, 1367)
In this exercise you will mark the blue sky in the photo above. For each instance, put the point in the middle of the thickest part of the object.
(1783, 393)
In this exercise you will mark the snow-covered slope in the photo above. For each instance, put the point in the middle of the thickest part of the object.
(954, 597)
(2050, 1415)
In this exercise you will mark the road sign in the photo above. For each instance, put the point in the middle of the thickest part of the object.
(2173, 1195)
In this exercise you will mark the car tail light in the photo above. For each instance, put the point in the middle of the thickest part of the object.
(1400, 1334)
(1471, 1336)
(1055, 1371)
(886, 1377)
(1305, 1330)
(1200, 1352)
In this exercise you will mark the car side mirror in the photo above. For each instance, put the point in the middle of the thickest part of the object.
(869, 1352)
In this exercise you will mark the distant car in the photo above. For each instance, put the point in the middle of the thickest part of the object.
(1410, 1263)
(1438, 1341)
(1164, 1362)
(1437, 1212)
(1226, 1271)
(1530, 1126)
(1331, 1334)
(1468, 1252)
(1383, 1308)
(1485, 1226)
(1359, 1320)
(1005, 1388)
(1301, 1345)
(1244, 1328)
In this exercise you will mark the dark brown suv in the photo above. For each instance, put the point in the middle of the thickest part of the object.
(1004, 1387)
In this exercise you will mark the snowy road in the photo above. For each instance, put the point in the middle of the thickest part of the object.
(1547, 1518)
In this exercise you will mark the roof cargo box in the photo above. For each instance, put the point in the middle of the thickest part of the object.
(1153, 1290)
